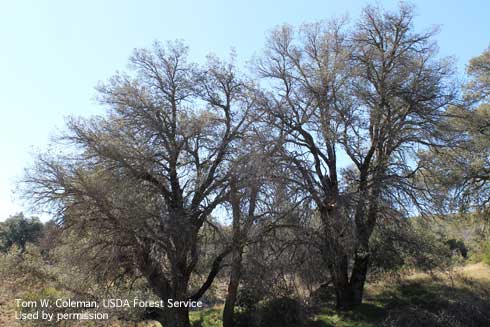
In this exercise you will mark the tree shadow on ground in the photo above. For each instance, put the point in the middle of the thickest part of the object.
(464, 301)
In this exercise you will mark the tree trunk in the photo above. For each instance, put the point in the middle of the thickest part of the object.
(181, 317)
(175, 317)
(358, 277)
(340, 278)
(344, 298)
(229, 309)
(166, 289)
(349, 293)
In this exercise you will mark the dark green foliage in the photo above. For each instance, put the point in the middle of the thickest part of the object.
(282, 312)
(248, 298)
(464, 236)
(409, 243)
(247, 314)
(244, 319)
(19, 230)
(458, 246)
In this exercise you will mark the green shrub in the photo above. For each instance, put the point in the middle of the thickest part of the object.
(282, 312)
(47, 293)
(485, 256)
(19, 230)
(248, 299)
(244, 319)
(458, 246)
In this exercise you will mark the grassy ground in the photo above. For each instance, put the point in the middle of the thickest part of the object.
(6, 305)
(470, 284)
(207, 318)
(433, 293)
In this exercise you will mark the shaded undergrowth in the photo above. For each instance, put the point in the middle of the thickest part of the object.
(457, 299)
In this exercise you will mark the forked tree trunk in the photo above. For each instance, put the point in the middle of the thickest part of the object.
(349, 293)
(175, 317)
(164, 289)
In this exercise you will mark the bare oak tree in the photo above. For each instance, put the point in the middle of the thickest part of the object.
(250, 202)
(366, 100)
(148, 174)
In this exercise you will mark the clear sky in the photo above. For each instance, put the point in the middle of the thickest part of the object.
(53, 53)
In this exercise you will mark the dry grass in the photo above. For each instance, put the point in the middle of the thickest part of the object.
(10, 290)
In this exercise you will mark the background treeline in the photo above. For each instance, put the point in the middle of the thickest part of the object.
(349, 153)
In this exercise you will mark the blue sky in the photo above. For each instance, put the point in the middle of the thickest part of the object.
(53, 53)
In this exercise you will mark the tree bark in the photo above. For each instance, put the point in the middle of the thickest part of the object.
(236, 264)
(165, 289)
(348, 291)
(181, 317)
(229, 309)
(358, 278)
(340, 277)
